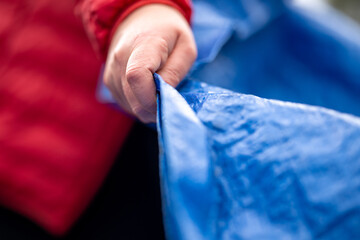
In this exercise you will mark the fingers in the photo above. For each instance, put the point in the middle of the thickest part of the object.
(143, 44)
(131, 77)
(148, 56)
(180, 60)
(133, 86)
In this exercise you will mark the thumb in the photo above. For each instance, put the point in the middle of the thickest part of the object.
(180, 60)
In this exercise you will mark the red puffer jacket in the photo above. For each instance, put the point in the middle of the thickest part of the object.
(56, 141)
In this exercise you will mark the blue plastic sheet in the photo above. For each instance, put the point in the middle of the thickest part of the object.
(274, 50)
(236, 166)
(240, 166)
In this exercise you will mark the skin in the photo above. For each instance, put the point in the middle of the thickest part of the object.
(153, 38)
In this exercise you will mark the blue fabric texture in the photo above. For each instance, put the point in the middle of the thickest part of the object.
(236, 166)
(262, 139)
(272, 49)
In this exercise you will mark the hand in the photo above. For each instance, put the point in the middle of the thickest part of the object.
(153, 38)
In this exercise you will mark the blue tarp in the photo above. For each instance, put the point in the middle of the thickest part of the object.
(238, 166)
(274, 50)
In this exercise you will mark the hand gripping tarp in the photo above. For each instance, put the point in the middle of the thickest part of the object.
(236, 166)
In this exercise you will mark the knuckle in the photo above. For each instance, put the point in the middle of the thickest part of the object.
(119, 54)
(141, 114)
(148, 106)
(163, 45)
(138, 112)
(134, 74)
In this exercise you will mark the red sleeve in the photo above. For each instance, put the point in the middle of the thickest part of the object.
(100, 17)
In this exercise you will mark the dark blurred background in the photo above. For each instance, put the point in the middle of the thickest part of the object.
(350, 7)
